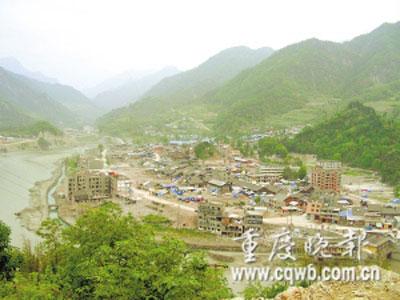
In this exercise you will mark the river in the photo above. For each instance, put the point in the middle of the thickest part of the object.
(18, 173)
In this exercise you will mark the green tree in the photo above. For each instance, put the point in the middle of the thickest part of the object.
(100, 148)
(10, 258)
(205, 150)
(107, 255)
(43, 143)
(302, 173)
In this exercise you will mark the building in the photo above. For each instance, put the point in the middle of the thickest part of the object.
(253, 219)
(215, 185)
(210, 216)
(123, 185)
(232, 222)
(267, 174)
(313, 208)
(327, 214)
(227, 221)
(89, 185)
(326, 176)
(379, 246)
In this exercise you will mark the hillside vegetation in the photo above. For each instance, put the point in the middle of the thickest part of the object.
(32, 130)
(357, 136)
(24, 100)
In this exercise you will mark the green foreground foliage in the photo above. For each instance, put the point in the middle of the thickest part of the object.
(110, 256)
(257, 291)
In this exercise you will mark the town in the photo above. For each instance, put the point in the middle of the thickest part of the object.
(228, 193)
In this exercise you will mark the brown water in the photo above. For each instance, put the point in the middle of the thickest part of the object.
(18, 173)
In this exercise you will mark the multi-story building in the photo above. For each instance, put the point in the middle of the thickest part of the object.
(313, 208)
(267, 174)
(326, 176)
(231, 222)
(253, 219)
(88, 185)
(210, 216)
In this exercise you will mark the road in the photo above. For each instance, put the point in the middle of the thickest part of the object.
(303, 222)
(146, 195)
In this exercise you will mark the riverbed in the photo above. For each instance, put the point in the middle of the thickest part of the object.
(18, 174)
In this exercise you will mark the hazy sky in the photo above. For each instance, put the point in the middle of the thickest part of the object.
(84, 41)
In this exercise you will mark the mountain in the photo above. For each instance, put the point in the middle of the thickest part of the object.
(11, 116)
(84, 109)
(173, 99)
(23, 100)
(132, 90)
(116, 82)
(13, 65)
(357, 136)
(302, 83)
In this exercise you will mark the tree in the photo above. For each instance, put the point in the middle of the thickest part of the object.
(43, 143)
(100, 147)
(397, 191)
(269, 146)
(107, 255)
(289, 174)
(205, 150)
(302, 173)
(10, 258)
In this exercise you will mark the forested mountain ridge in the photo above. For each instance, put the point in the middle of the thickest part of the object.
(357, 136)
(24, 100)
(15, 90)
(301, 82)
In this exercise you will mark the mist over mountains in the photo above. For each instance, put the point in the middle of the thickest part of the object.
(24, 100)
(13, 65)
(132, 89)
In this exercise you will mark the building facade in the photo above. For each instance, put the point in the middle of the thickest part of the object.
(326, 176)
(90, 185)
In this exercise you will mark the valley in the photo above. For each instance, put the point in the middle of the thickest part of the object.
(156, 181)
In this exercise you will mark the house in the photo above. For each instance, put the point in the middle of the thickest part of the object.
(255, 188)
(313, 208)
(297, 201)
(196, 181)
(327, 214)
(278, 200)
(215, 185)
(378, 245)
